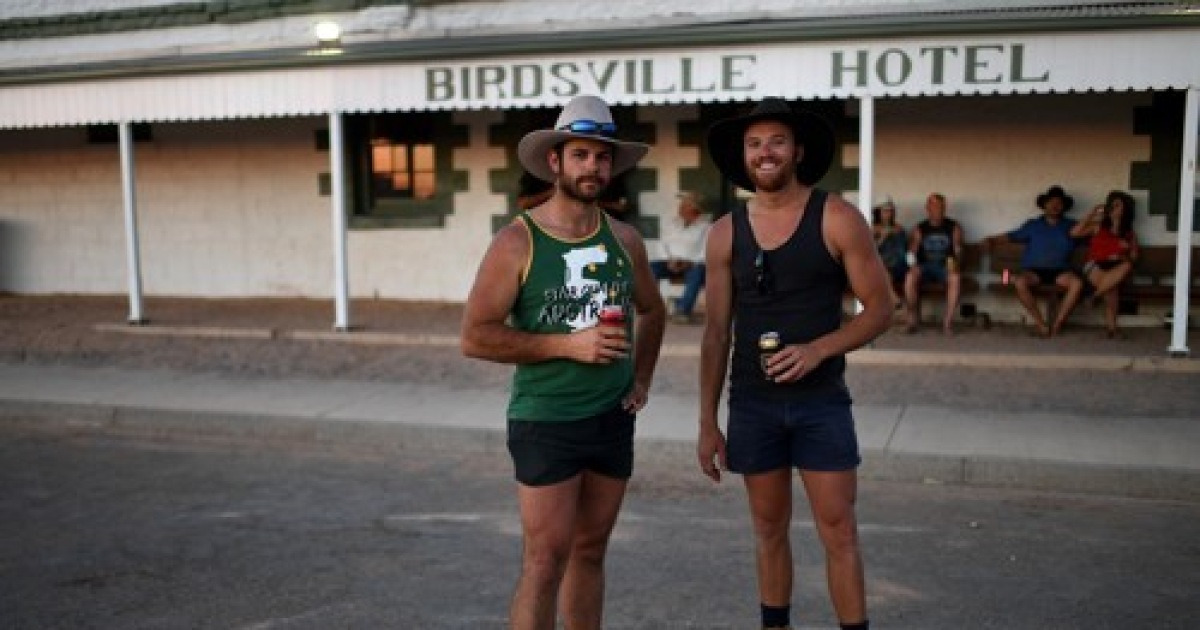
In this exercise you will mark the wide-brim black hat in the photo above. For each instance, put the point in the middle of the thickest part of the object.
(1056, 191)
(725, 142)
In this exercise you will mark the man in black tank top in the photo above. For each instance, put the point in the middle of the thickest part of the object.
(778, 269)
(936, 245)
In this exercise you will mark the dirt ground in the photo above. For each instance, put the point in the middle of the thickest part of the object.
(63, 330)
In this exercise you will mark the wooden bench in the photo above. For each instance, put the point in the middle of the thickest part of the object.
(968, 267)
(1152, 280)
(1004, 263)
(1005, 256)
(1153, 277)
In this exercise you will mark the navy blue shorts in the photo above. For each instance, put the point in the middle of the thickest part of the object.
(547, 452)
(934, 272)
(766, 435)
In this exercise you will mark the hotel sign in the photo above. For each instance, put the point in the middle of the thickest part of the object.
(1035, 62)
(833, 70)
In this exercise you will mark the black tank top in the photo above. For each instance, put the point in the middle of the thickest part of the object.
(800, 298)
(937, 241)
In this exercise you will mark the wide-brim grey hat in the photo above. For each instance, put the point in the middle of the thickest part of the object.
(586, 117)
(725, 142)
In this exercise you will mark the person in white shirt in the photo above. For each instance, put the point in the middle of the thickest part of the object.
(682, 253)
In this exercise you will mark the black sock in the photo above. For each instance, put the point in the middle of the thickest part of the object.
(776, 616)
(863, 625)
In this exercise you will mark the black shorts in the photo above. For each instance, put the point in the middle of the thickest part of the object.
(547, 452)
(1048, 276)
(766, 435)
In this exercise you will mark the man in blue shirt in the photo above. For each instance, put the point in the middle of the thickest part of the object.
(1047, 258)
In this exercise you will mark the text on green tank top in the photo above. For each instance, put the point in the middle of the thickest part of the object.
(566, 284)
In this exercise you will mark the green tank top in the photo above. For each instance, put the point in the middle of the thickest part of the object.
(566, 282)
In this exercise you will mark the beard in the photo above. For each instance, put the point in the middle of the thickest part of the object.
(772, 181)
(580, 189)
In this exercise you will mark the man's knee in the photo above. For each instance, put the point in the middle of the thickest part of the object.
(839, 533)
(771, 530)
(589, 550)
(545, 564)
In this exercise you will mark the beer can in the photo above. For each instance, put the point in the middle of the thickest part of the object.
(768, 344)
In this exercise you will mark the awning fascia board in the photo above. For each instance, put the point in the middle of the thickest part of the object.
(1021, 64)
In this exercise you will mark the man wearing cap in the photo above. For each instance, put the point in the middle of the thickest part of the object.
(780, 265)
(1047, 258)
(536, 302)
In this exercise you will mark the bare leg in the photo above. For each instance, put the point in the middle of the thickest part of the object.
(1024, 285)
(770, 496)
(1105, 281)
(831, 496)
(1074, 286)
(953, 292)
(547, 519)
(912, 297)
(581, 596)
(1111, 303)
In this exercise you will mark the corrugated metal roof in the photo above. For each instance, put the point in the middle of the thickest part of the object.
(467, 30)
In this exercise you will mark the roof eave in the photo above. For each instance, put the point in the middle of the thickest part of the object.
(668, 36)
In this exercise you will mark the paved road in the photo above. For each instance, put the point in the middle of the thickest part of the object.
(97, 532)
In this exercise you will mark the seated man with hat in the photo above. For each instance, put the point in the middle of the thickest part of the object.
(1047, 258)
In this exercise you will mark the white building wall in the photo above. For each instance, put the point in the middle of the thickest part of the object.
(224, 209)
(436, 263)
(228, 209)
(60, 214)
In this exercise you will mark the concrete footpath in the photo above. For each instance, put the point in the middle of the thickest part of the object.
(1140, 457)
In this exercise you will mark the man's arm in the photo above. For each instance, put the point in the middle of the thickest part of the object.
(485, 333)
(848, 238)
(696, 253)
(914, 239)
(651, 315)
(714, 349)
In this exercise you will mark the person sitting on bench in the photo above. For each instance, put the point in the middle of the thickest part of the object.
(1047, 258)
(936, 246)
(1112, 250)
(682, 253)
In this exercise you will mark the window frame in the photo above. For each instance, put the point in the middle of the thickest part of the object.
(365, 210)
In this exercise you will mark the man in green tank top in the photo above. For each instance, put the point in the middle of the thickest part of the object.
(566, 294)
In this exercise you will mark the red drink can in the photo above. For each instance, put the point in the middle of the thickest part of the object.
(612, 314)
